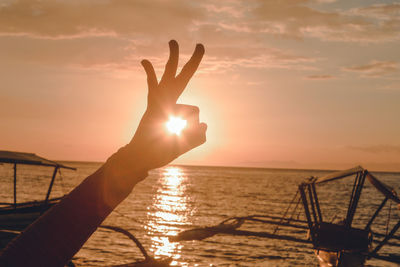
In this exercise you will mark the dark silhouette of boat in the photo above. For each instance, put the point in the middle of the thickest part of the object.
(337, 243)
(340, 243)
(16, 216)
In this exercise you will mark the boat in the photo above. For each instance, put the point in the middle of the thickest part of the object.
(336, 242)
(16, 216)
(340, 243)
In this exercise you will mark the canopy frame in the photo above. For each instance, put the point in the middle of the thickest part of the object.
(314, 217)
(15, 158)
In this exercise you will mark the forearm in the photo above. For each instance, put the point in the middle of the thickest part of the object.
(56, 236)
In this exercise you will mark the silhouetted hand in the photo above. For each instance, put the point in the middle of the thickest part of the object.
(152, 147)
(78, 214)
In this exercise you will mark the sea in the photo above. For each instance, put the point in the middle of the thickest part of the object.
(177, 198)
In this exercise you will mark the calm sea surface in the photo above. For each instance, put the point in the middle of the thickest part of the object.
(177, 198)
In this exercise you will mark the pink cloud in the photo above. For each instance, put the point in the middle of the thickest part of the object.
(377, 148)
(298, 19)
(375, 68)
(66, 19)
(320, 77)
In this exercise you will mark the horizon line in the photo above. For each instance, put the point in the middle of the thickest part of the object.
(242, 167)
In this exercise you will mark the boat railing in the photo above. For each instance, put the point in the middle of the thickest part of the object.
(28, 203)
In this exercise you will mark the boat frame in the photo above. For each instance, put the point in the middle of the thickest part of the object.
(340, 244)
(335, 244)
(15, 217)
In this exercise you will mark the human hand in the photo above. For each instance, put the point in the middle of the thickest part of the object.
(152, 147)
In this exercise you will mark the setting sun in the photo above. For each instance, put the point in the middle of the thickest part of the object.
(175, 125)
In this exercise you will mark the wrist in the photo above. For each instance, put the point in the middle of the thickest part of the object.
(122, 171)
(128, 163)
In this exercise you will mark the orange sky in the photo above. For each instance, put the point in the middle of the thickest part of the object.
(291, 83)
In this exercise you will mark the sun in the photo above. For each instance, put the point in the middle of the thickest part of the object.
(175, 125)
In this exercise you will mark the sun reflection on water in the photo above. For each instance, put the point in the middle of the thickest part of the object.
(169, 210)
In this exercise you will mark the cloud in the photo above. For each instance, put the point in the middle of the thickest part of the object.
(66, 19)
(107, 34)
(381, 11)
(395, 85)
(226, 51)
(259, 57)
(320, 77)
(286, 18)
(85, 52)
(230, 8)
(228, 48)
(299, 19)
(375, 68)
(117, 33)
(377, 148)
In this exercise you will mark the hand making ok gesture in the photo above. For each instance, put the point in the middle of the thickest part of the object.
(152, 146)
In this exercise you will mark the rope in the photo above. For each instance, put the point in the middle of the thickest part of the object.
(286, 211)
(295, 208)
(130, 236)
(128, 217)
(298, 214)
(149, 260)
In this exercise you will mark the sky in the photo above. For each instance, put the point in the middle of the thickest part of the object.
(283, 84)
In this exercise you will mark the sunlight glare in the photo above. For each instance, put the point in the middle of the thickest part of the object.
(170, 210)
(175, 125)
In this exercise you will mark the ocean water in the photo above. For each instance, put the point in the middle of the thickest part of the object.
(177, 198)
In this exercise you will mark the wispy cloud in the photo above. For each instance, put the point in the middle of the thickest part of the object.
(320, 77)
(299, 19)
(381, 11)
(107, 33)
(375, 68)
(257, 57)
(86, 52)
(226, 50)
(377, 148)
(289, 18)
(66, 19)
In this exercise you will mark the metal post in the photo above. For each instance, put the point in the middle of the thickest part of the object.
(384, 241)
(316, 201)
(352, 210)
(376, 214)
(51, 184)
(15, 185)
(310, 194)
(306, 210)
(356, 181)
